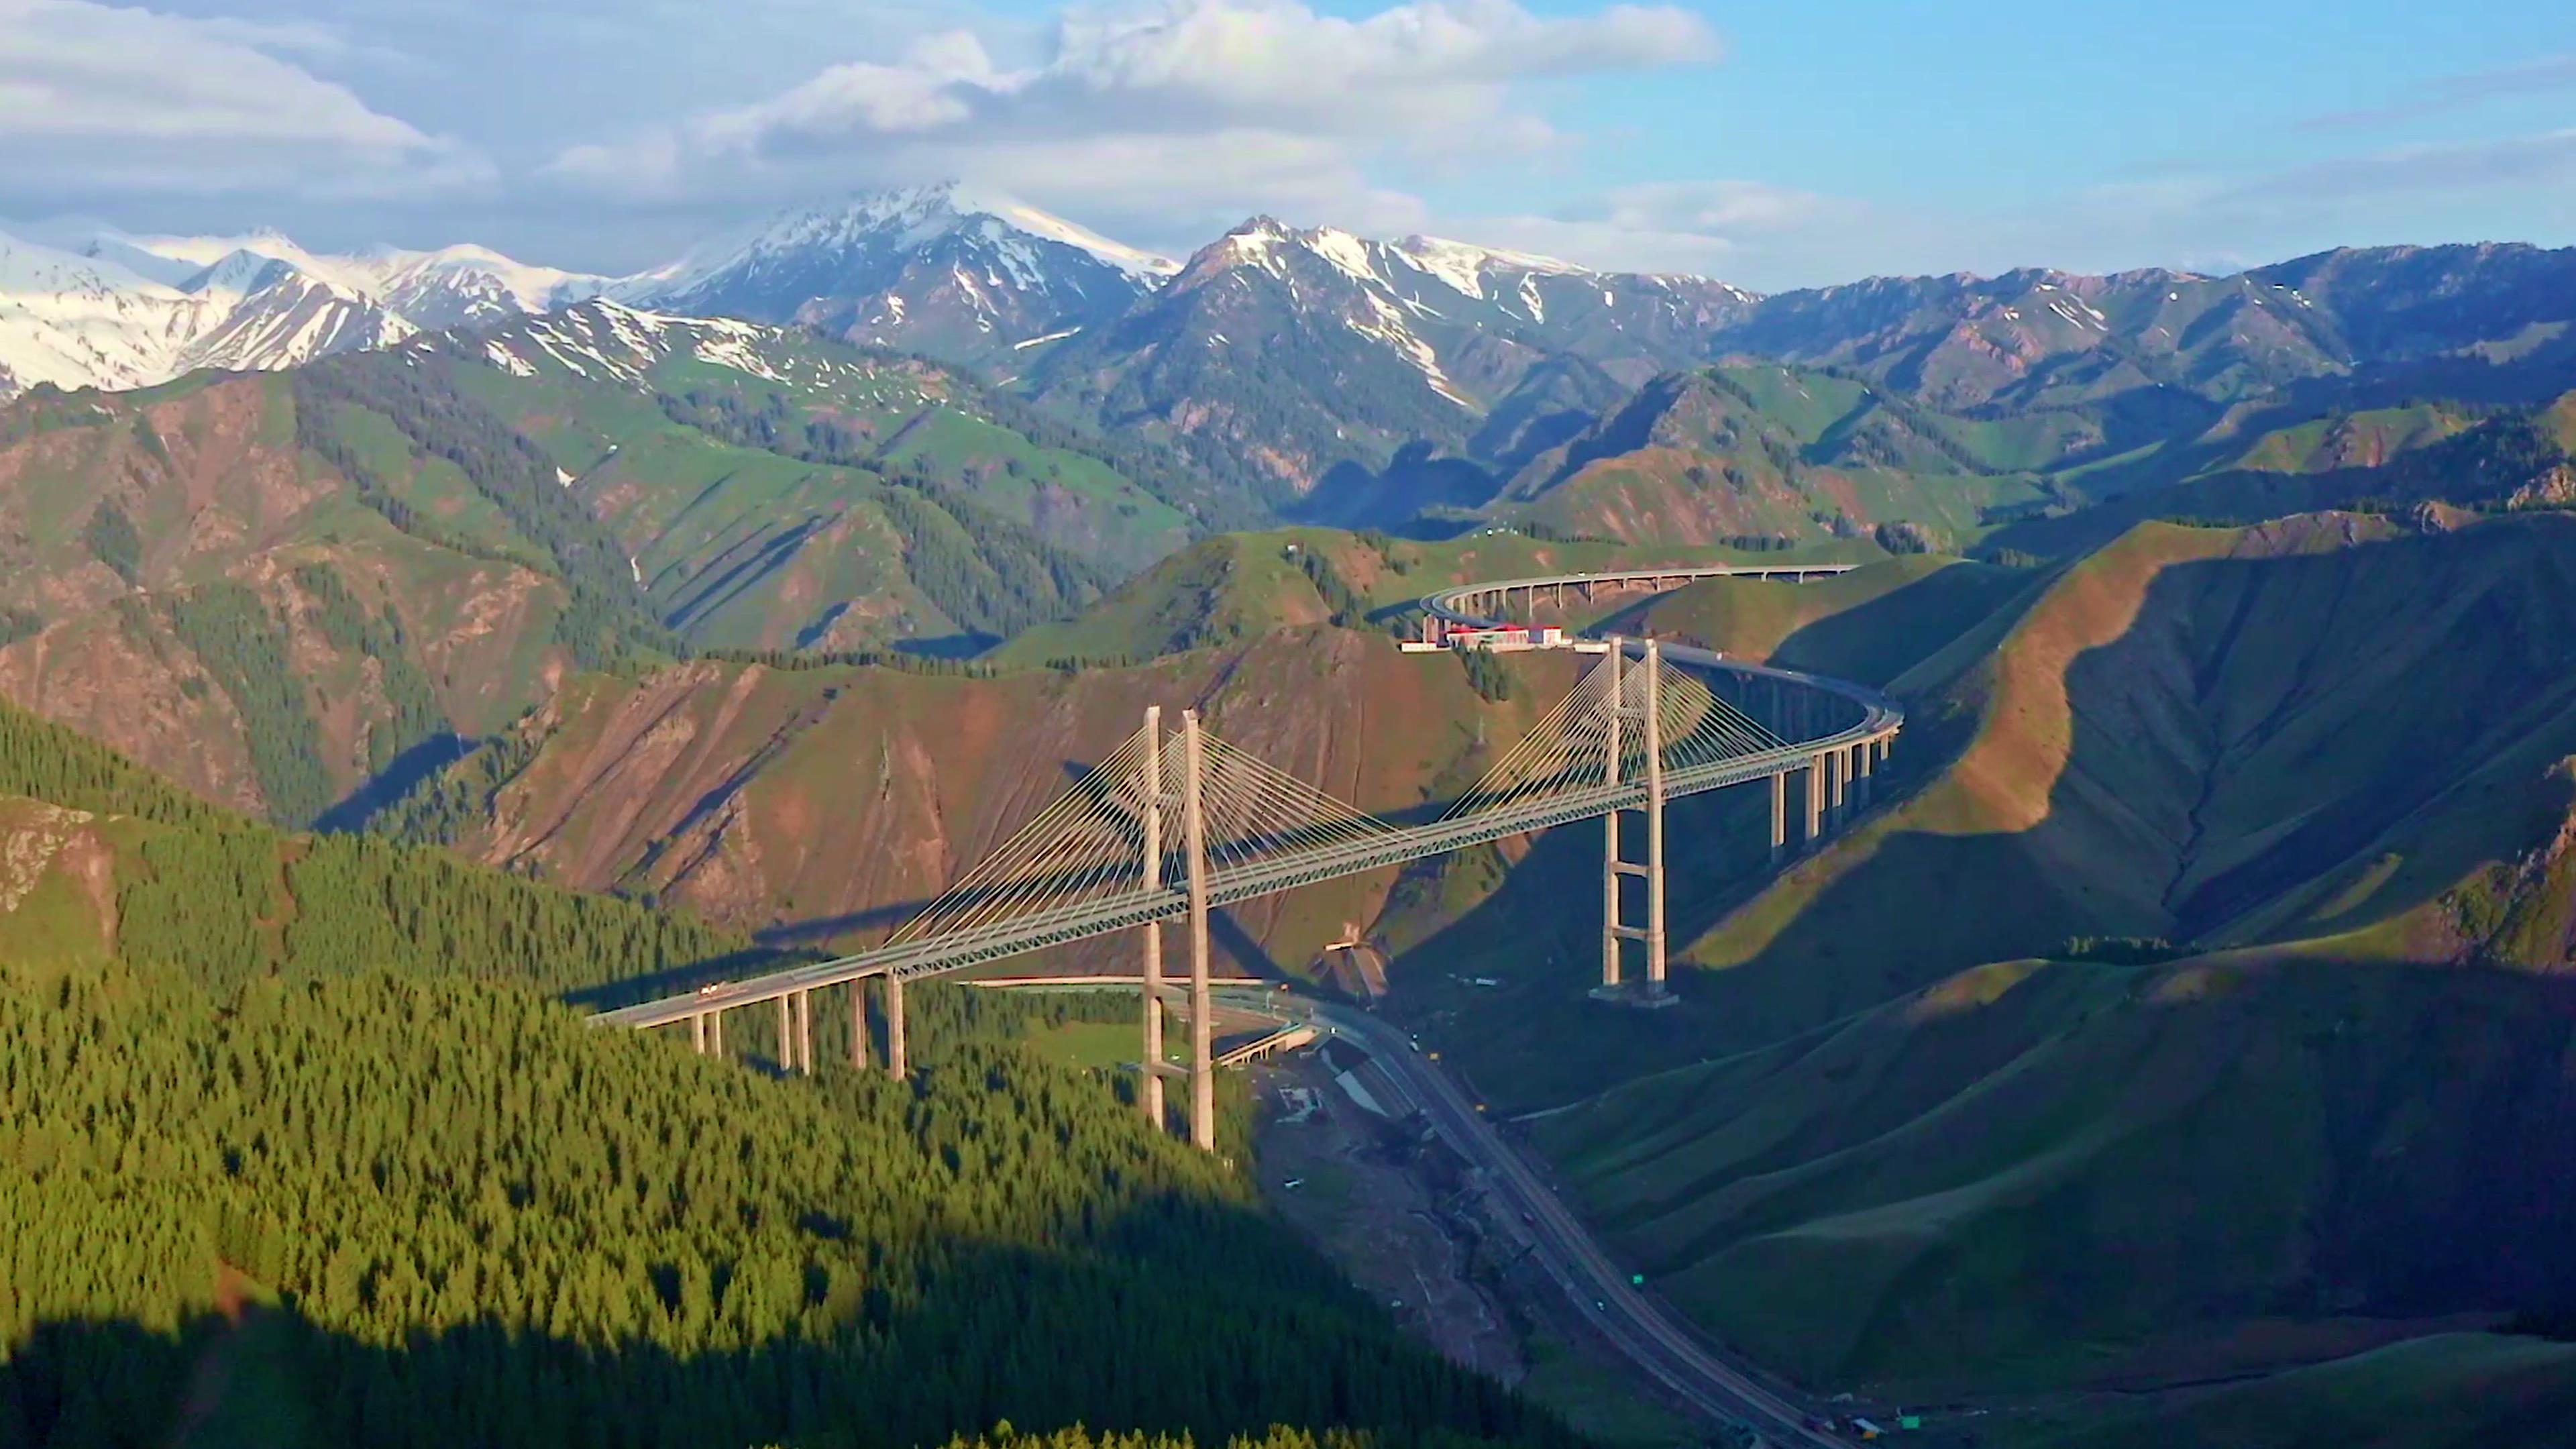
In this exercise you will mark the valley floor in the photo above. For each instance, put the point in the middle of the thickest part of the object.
(1401, 1219)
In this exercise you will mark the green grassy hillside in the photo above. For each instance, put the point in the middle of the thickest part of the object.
(1871, 624)
(1763, 452)
(2443, 1391)
(2040, 1174)
(2329, 762)
(2197, 734)
(1235, 586)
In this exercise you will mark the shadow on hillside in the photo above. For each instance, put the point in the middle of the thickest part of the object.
(1415, 482)
(398, 778)
(1875, 642)
(1180, 1316)
(2261, 724)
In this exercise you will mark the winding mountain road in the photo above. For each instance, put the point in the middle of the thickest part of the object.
(1647, 1333)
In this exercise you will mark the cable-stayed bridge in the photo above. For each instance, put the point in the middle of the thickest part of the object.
(1177, 823)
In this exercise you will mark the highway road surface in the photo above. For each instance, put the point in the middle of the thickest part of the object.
(1639, 1327)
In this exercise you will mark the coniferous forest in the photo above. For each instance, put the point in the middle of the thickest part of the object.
(308, 1150)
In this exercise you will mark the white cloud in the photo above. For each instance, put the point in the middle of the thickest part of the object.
(100, 97)
(1206, 103)
(1711, 228)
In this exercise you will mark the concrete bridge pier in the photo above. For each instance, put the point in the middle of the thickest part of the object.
(1202, 1041)
(1815, 801)
(698, 1033)
(805, 1032)
(859, 1024)
(894, 1026)
(1149, 1088)
(1779, 815)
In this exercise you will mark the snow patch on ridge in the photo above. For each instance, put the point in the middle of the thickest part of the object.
(1387, 326)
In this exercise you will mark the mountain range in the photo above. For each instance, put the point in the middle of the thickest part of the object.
(1310, 373)
(942, 270)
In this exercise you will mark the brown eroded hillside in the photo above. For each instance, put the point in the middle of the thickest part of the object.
(828, 804)
(179, 579)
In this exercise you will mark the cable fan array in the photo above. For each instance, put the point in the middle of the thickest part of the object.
(1088, 846)
(1570, 748)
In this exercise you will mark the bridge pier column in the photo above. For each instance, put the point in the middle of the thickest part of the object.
(1149, 1090)
(858, 1023)
(805, 1032)
(715, 1033)
(698, 1033)
(1202, 1040)
(786, 1033)
(1865, 766)
(1815, 801)
(1779, 815)
(895, 1066)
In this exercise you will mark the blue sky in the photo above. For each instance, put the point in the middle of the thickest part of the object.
(1775, 145)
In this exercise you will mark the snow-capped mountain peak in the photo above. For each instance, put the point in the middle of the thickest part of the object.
(469, 285)
(79, 320)
(970, 274)
(236, 275)
(914, 217)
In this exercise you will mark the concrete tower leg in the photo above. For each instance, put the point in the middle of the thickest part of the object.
(1202, 1044)
(1149, 1091)
(1865, 762)
(698, 1033)
(1618, 666)
(787, 1033)
(1779, 815)
(895, 1064)
(1654, 825)
(715, 1033)
(805, 1032)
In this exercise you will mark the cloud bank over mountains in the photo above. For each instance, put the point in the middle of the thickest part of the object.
(105, 96)
(600, 135)
(1207, 107)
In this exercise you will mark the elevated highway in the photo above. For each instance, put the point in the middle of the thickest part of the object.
(1651, 723)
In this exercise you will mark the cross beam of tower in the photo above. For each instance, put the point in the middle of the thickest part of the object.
(1175, 824)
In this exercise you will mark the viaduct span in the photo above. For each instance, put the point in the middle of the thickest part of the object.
(1177, 824)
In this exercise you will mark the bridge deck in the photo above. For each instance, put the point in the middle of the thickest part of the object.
(915, 960)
